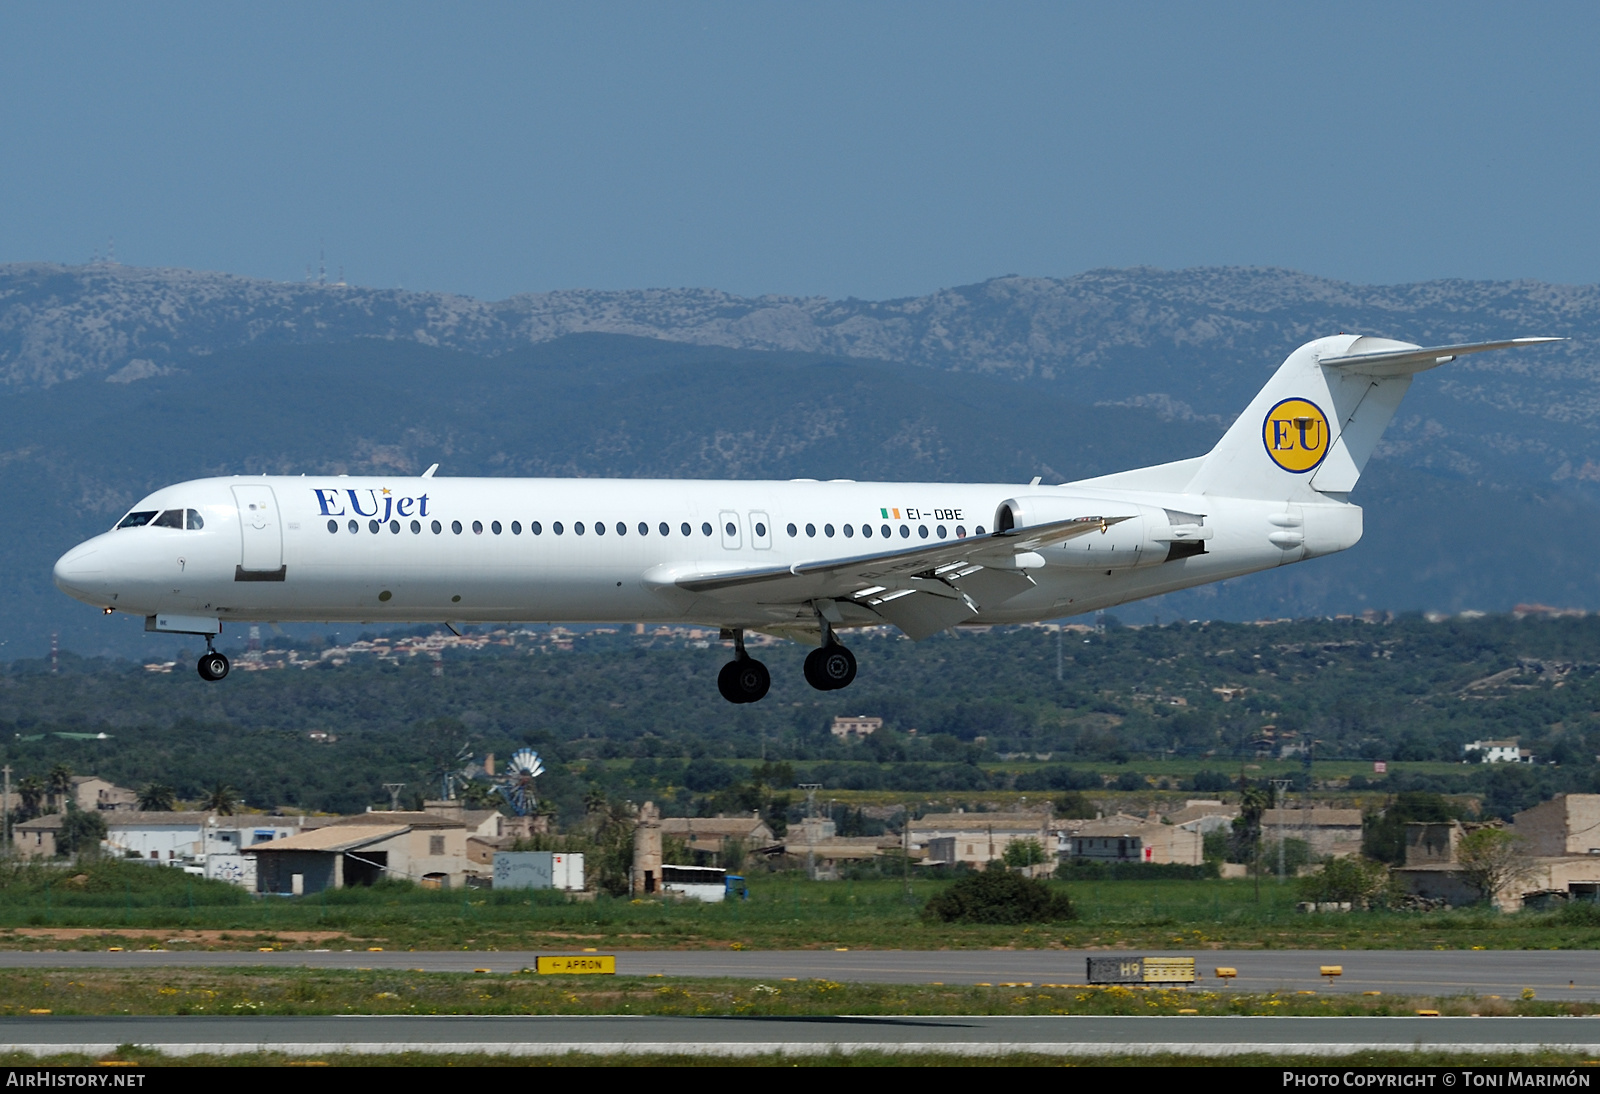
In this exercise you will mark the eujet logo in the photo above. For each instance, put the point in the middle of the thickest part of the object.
(1296, 435)
(370, 503)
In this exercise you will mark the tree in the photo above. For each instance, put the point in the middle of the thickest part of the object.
(1074, 806)
(1493, 860)
(1361, 881)
(1023, 852)
(60, 783)
(221, 798)
(31, 790)
(81, 832)
(157, 798)
(998, 896)
(1254, 800)
(1384, 835)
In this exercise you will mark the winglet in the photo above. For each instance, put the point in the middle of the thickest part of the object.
(428, 474)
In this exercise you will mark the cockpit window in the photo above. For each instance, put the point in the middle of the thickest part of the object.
(137, 520)
(172, 518)
(195, 521)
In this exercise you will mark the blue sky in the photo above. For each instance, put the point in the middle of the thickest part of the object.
(872, 150)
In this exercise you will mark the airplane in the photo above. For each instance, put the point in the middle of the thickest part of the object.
(798, 559)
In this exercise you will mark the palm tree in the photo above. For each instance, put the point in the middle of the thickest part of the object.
(31, 790)
(221, 798)
(60, 783)
(157, 798)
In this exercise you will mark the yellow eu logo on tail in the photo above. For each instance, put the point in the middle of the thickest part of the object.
(1296, 435)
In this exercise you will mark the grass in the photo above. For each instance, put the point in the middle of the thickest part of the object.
(252, 991)
(115, 904)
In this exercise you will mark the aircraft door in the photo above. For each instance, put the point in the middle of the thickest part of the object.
(261, 530)
(760, 530)
(728, 522)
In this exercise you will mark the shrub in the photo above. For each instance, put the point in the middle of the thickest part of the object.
(998, 896)
(1361, 881)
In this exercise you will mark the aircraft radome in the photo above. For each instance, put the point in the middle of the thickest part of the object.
(801, 559)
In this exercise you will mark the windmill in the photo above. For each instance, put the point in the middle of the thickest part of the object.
(452, 772)
(517, 783)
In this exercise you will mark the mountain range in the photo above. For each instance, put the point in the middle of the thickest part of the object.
(116, 379)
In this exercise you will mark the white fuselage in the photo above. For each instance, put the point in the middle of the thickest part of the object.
(597, 550)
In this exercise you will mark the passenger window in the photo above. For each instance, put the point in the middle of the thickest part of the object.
(943, 532)
(535, 527)
(961, 531)
(849, 531)
(354, 527)
(437, 527)
(455, 526)
(685, 527)
(731, 528)
(495, 527)
(373, 526)
(922, 531)
(333, 526)
(793, 531)
(827, 530)
(705, 527)
(599, 527)
(516, 528)
(196, 521)
(905, 531)
(811, 530)
(622, 529)
(866, 531)
(978, 531)
(884, 531)
(577, 527)
(666, 529)
(172, 518)
(394, 526)
(555, 527)
(477, 527)
(137, 520)
(644, 529)
(416, 527)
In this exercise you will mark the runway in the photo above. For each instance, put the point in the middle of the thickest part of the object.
(721, 1036)
(1550, 974)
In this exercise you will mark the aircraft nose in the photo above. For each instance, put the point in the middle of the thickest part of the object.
(79, 570)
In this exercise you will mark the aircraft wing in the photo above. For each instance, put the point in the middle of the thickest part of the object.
(922, 590)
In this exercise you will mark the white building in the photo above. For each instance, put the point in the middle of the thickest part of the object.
(1497, 752)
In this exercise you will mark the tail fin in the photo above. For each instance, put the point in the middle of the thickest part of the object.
(1309, 433)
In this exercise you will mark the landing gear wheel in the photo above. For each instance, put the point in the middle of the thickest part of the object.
(830, 667)
(744, 681)
(213, 666)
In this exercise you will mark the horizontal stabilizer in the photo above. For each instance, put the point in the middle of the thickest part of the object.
(1404, 362)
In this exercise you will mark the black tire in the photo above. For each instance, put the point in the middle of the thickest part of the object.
(213, 666)
(744, 681)
(830, 668)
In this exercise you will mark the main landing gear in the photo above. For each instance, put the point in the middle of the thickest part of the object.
(744, 679)
(830, 667)
(213, 665)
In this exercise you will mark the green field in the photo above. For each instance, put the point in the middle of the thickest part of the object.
(119, 904)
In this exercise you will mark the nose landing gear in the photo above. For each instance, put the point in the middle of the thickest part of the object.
(744, 679)
(213, 665)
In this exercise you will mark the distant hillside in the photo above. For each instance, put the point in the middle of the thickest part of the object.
(1483, 495)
